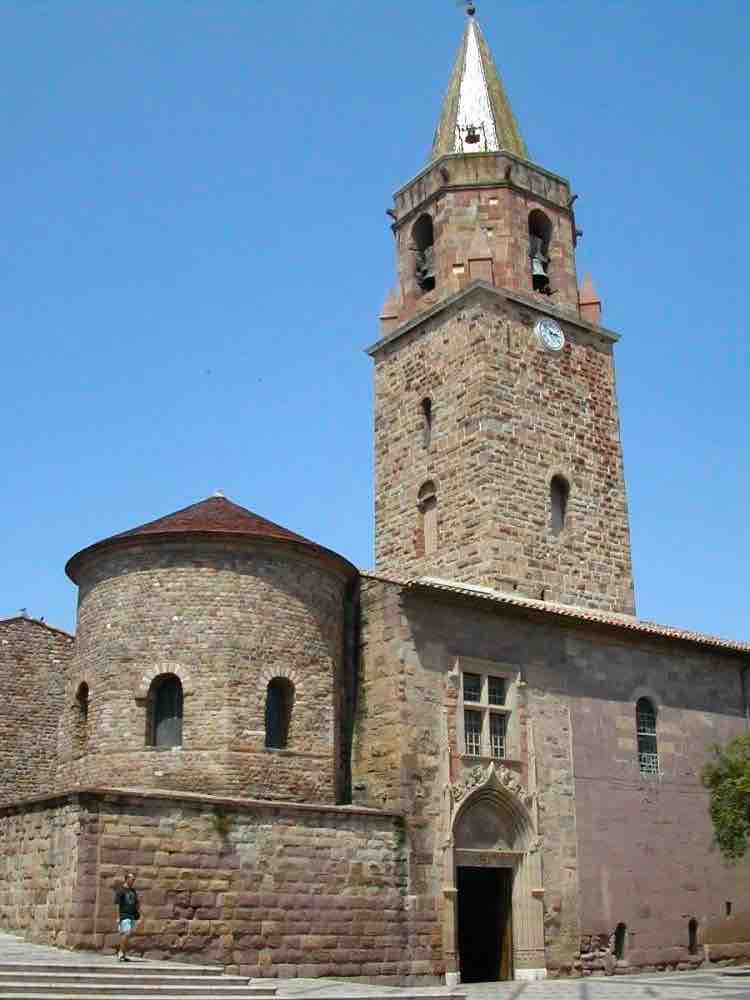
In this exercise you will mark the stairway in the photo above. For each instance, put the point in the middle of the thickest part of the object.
(135, 980)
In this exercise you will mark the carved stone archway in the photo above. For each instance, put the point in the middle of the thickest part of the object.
(493, 824)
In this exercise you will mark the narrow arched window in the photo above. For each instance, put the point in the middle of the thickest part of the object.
(693, 936)
(559, 491)
(645, 724)
(540, 232)
(82, 703)
(279, 705)
(166, 711)
(81, 718)
(426, 422)
(427, 503)
(423, 247)
(621, 937)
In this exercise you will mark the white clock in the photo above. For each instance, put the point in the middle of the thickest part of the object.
(550, 334)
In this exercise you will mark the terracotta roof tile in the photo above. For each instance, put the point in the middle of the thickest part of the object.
(214, 516)
(611, 618)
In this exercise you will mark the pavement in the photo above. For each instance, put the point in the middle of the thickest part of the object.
(711, 984)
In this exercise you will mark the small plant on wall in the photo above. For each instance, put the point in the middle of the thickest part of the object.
(221, 822)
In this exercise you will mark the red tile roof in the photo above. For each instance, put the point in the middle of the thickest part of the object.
(211, 518)
(611, 618)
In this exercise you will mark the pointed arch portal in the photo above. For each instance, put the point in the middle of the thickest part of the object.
(494, 922)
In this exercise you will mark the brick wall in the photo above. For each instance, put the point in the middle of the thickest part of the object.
(34, 661)
(226, 618)
(506, 417)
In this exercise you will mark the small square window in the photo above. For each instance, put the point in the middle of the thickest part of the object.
(472, 687)
(496, 690)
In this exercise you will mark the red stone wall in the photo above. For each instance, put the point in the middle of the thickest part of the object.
(226, 618)
(646, 850)
(480, 206)
(507, 416)
(34, 661)
(266, 890)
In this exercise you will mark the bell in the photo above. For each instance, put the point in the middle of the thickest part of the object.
(472, 136)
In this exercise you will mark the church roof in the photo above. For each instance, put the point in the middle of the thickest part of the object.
(214, 517)
(476, 97)
(629, 623)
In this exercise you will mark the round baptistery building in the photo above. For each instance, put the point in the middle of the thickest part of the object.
(212, 656)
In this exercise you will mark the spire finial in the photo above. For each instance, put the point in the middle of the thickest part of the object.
(471, 8)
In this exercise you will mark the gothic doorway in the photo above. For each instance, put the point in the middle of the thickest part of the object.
(485, 924)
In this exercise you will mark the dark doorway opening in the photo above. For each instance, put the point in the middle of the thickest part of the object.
(485, 943)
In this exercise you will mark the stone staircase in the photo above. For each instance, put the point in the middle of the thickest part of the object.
(133, 980)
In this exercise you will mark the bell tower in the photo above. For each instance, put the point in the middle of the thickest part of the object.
(498, 460)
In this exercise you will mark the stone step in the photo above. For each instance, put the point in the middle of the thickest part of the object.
(107, 983)
(139, 965)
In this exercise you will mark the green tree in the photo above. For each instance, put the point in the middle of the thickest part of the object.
(727, 777)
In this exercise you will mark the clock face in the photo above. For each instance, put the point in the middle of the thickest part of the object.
(550, 334)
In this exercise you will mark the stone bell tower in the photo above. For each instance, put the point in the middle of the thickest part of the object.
(497, 444)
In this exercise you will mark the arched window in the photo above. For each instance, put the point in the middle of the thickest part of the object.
(81, 718)
(427, 503)
(165, 702)
(693, 936)
(645, 724)
(423, 240)
(426, 421)
(279, 705)
(559, 491)
(82, 702)
(540, 232)
(621, 937)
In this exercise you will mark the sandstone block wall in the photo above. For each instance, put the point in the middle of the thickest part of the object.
(616, 847)
(39, 871)
(225, 618)
(267, 890)
(506, 417)
(34, 661)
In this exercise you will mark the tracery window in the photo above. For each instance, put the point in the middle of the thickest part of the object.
(645, 724)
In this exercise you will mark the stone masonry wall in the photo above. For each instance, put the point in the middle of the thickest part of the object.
(480, 206)
(39, 870)
(266, 890)
(616, 847)
(506, 417)
(34, 660)
(646, 854)
(225, 618)
(412, 646)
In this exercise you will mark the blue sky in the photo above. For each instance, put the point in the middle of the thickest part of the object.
(195, 252)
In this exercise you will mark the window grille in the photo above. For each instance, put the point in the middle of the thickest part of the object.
(497, 735)
(648, 751)
(473, 732)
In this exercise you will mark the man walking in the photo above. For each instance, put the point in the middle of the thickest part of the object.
(129, 913)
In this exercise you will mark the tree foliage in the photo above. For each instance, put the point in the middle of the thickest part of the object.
(727, 777)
